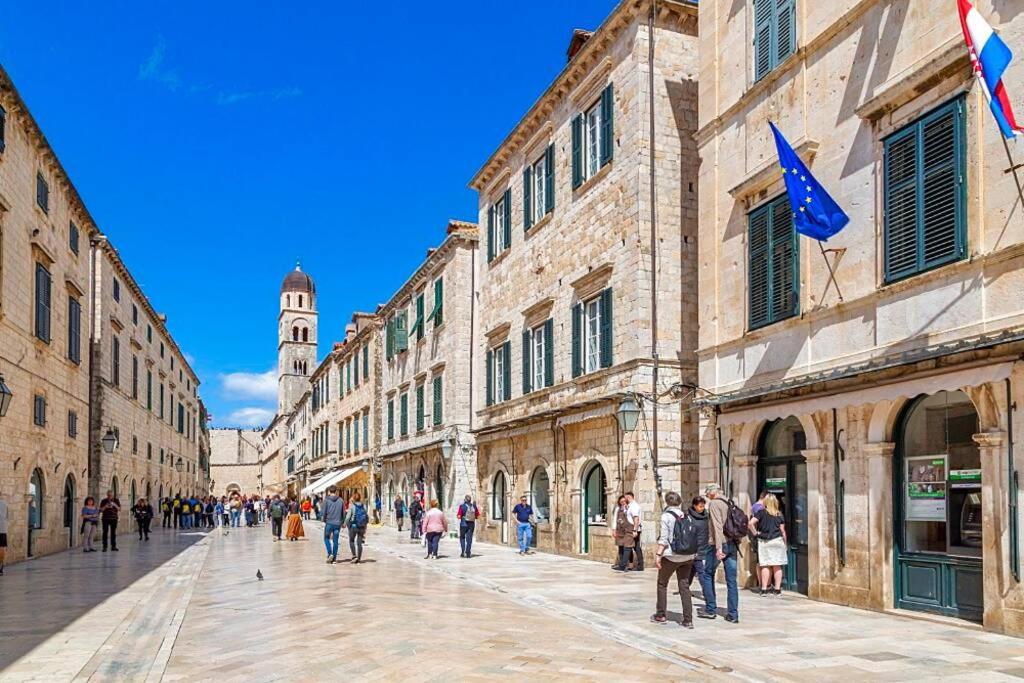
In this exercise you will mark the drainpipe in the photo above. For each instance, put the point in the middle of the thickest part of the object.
(839, 454)
(1014, 485)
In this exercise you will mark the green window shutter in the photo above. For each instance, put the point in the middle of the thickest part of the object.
(438, 401)
(577, 340)
(43, 286)
(366, 430)
(420, 407)
(506, 350)
(355, 369)
(577, 151)
(785, 291)
(606, 328)
(403, 414)
(490, 233)
(366, 362)
(418, 327)
(355, 433)
(507, 206)
(607, 124)
(389, 338)
(402, 331)
(526, 362)
(549, 353)
(549, 179)
(764, 11)
(758, 268)
(438, 302)
(489, 380)
(526, 198)
(391, 418)
(785, 29)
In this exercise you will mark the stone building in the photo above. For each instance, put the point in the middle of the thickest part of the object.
(880, 407)
(564, 311)
(144, 392)
(273, 475)
(235, 462)
(424, 380)
(296, 338)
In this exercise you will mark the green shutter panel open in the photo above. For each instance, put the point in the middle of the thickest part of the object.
(549, 352)
(901, 205)
(438, 401)
(391, 419)
(577, 151)
(402, 331)
(507, 206)
(941, 181)
(438, 302)
(490, 233)
(757, 268)
(489, 380)
(606, 328)
(420, 324)
(549, 179)
(366, 362)
(526, 362)
(420, 407)
(507, 366)
(577, 340)
(764, 10)
(784, 281)
(785, 29)
(389, 338)
(526, 198)
(403, 414)
(607, 124)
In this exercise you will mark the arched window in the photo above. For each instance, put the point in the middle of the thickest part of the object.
(134, 497)
(498, 495)
(305, 334)
(295, 333)
(69, 502)
(300, 301)
(288, 300)
(35, 500)
(595, 502)
(113, 485)
(540, 492)
(149, 492)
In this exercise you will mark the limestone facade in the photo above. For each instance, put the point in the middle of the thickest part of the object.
(843, 378)
(235, 462)
(272, 459)
(424, 337)
(564, 311)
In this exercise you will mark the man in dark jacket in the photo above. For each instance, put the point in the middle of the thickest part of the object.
(699, 514)
(415, 516)
(332, 512)
(468, 512)
(143, 516)
(110, 507)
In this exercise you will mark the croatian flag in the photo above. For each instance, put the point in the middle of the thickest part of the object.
(989, 57)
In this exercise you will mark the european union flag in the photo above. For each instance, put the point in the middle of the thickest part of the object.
(815, 213)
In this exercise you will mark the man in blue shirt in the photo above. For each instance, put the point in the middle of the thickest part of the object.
(524, 525)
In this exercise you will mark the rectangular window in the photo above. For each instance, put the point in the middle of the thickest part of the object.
(72, 424)
(925, 194)
(135, 376)
(149, 333)
(774, 285)
(355, 433)
(403, 414)
(42, 193)
(366, 430)
(39, 411)
(117, 290)
(149, 390)
(74, 330)
(181, 418)
(3, 129)
(438, 401)
(43, 284)
(162, 456)
(538, 355)
(135, 445)
(774, 34)
(499, 373)
(420, 323)
(161, 413)
(162, 353)
(539, 188)
(149, 451)
(366, 362)
(73, 238)
(421, 409)
(592, 336)
(401, 331)
(437, 313)
(135, 314)
(499, 225)
(115, 361)
(592, 138)
(592, 142)
(391, 418)
(355, 368)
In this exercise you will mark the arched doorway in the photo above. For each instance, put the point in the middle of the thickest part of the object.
(782, 471)
(937, 507)
(499, 495)
(134, 495)
(540, 494)
(69, 509)
(35, 506)
(594, 504)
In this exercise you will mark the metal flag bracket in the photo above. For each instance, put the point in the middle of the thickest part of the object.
(839, 252)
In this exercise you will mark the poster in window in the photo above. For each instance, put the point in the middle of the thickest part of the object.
(775, 484)
(926, 488)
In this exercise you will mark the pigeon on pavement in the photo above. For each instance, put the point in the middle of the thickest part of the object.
(259, 575)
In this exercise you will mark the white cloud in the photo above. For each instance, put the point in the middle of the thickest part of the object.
(154, 69)
(241, 386)
(234, 97)
(249, 417)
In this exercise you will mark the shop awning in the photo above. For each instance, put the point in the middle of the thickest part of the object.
(323, 482)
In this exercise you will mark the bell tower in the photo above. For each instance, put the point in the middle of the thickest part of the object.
(296, 338)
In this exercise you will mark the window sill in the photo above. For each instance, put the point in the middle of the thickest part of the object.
(499, 257)
(541, 223)
(593, 180)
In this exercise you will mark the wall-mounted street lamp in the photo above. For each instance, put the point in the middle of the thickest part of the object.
(5, 397)
(628, 414)
(179, 465)
(446, 448)
(109, 441)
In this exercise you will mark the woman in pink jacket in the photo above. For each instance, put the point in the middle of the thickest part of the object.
(434, 524)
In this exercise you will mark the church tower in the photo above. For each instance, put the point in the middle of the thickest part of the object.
(296, 339)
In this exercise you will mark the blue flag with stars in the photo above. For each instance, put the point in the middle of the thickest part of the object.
(815, 213)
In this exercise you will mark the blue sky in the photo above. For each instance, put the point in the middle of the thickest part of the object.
(240, 137)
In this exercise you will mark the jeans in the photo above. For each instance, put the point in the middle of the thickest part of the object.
(177, 519)
(167, 519)
(356, 536)
(415, 527)
(235, 514)
(707, 580)
(88, 532)
(110, 533)
(681, 570)
(624, 554)
(143, 528)
(433, 541)
(466, 531)
(331, 532)
(275, 526)
(638, 554)
(196, 520)
(524, 534)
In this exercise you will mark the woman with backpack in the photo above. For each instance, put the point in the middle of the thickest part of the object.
(399, 512)
(357, 519)
(678, 543)
(769, 525)
(622, 531)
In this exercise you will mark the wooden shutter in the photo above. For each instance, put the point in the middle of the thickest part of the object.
(507, 206)
(489, 380)
(577, 340)
(420, 324)
(438, 302)
(606, 328)
(74, 330)
(549, 353)
(506, 350)
(526, 361)
(403, 414)
(526, 198)
(577, 151)
(607, 124)
(389, 338)
(366, 362)
(941, 184)
(42, 303)
(391, 418)
(763, 13)
(785, 30)
(785, 299)
(420, 407)
(549, 179)
(438, 400)
(757, 268)
(402, 331)
(490, 233)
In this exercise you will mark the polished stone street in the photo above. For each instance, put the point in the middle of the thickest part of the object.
(187, 606)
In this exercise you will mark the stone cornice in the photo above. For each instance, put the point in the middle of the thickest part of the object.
(768, 172)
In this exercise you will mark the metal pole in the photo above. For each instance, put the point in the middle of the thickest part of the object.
(654, 252)
(1013, 169)
(831, 273)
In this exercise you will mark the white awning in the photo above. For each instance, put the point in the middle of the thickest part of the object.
(323, 482)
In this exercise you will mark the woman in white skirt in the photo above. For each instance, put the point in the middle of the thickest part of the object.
(769, 526)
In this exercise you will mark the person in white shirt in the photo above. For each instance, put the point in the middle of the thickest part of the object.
(634, 515)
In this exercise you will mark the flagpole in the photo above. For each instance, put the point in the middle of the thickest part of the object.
(1013, 169)
(831, 273)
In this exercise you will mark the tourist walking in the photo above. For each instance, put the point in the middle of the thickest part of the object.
(678, 543)
(186, 514)
(434, 525)
(218, 514)
(165, 511)
(197, 513)
(295, 530)
(250, 512)
(376, 509)
(307, 507)
(468, 513)
(176, 508)
(415, 517)
(143, 512)
(399, 512)
(3, 533)
(90, 520)
(769, 526)
(622, 531)
(110, 507)
(524, 525)
(634, 515)
(333, 514)
(722, 550)
(357, 519)
(277, 513)
(236, 510)
(699, 514)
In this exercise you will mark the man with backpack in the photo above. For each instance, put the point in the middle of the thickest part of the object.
(468, 512)
(678, 542)
(333, 513)
(728, 526)
(357, 519)
(415, 517)
(277, 512)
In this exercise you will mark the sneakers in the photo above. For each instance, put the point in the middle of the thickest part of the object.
(659, 618)
(330, 559)
(686, 624)
(731, 619)
(704, 614)
(764, 592)
(777, 592)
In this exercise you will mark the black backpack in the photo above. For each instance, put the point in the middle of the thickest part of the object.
(684, 535)
(736, 525)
